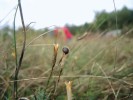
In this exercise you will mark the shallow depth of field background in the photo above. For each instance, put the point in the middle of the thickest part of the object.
(99, 64)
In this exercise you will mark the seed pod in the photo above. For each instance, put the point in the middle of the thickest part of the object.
(65, 50)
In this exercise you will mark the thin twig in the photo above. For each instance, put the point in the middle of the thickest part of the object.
(53, 63)
(7, 14)
(60, 72)
(117, 92)
(37, 38)
(40, 35)
(77, 76)
(29, 25)
(22, 52)
(37, 45)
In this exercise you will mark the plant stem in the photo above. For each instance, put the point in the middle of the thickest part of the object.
(22, 52)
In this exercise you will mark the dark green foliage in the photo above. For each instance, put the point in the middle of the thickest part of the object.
(106, 21)
(41, 96)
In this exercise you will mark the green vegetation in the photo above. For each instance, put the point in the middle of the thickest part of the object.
(100, 68)
(105, 21)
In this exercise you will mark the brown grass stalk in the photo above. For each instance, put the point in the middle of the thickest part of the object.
(75, 76)
(65, 51)
(69, 90)
(56, 46)
(107, 79)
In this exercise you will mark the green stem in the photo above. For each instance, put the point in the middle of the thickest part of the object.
(14, 34)
(14, 40)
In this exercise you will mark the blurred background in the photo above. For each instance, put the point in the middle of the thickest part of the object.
(99, 35)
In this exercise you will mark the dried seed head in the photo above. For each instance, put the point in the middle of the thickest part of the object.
(65, 50)
(68, 85)
(56, 46)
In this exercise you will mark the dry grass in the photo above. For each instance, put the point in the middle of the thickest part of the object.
(99, 67)
(90, 65)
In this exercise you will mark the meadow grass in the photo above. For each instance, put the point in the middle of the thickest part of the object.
(99, 67)
(89, 65)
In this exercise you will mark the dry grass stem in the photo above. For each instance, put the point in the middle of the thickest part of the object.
(76, 76)
(56, 46)
(107, 79)
(37, 38)
(69, 90)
